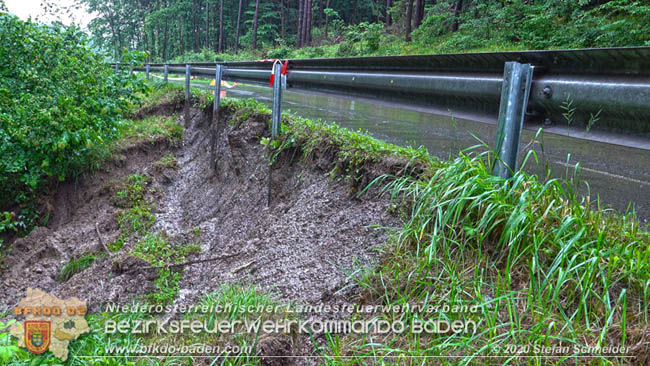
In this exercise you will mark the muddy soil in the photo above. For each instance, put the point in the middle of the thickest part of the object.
(301, 247)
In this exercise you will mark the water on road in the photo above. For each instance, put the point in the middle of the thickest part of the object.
(618, 174)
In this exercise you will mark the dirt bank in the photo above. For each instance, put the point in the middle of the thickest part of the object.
(300, 247)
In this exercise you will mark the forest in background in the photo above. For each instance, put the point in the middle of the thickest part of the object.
(216, 30)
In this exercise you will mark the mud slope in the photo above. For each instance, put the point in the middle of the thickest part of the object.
(300, 247)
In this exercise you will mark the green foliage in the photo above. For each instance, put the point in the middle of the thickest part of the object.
(529, 255)
(367, 34)
(136, 215)
(176, 31)
(76, 265)
(8, 347)
(167, 161)
(207, 55)
(92, 347)
(158, 250)
(54, 123)
(149, 130)
(494, 25)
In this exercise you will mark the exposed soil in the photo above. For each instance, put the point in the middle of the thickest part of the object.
(300, 247)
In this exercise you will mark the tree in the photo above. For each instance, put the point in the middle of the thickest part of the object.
(255, 21)
(419, 13)
(207, 23)
(239, 12)
(220, 49)
(389, 20)
(300, 22)
(458, 6)
(327, 18)
(408, 19)
(282, 8)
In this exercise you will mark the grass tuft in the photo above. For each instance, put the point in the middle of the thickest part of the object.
(76, 265)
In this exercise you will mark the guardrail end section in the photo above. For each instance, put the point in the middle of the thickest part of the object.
(517, 79)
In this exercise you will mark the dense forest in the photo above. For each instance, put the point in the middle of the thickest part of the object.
(185, 30)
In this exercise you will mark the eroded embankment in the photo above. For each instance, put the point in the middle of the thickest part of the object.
(299, 247)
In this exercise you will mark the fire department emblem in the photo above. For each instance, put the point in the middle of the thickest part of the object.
(37, 335)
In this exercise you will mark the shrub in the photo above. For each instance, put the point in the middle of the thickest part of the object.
(60, 103)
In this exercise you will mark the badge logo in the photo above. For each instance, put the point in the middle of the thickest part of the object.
(37, 335)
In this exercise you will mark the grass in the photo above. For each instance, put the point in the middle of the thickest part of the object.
(241, 303)
(136, 215)
(531, 262)
(545, 266)
(149, 130)
(158, 250)
(167, 161)
(544, 269)
(92, 348)
(75, 266)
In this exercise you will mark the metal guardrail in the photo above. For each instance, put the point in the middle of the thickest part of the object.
(612, 83)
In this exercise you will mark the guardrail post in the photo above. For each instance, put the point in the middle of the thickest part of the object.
(517, 79)
(166, 72)
(147, 68)
(117, 67)
(187, 94)
(215, 112)
(217, 90)
(276, 117)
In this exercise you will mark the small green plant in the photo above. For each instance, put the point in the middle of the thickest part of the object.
(593, 119)
(8, 348)
(76, 265)
(136, 215)
(568, 110)
(158, 250)
(149, 130)
(243, 304)
(168, 161)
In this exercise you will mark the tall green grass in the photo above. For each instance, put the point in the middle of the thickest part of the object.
(544, 267)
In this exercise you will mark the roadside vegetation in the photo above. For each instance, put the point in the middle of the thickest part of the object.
(212, 30)
(545, 266)
(61, 106)
(541, 265)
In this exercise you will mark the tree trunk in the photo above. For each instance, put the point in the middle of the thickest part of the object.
(457, 8)
(389, 19)
(300, 19)
(220, 26)
(238, 25)
(207, 24)
(419, 13)
(327, 20)
(255, 19)
(164, 45)
(282, 18)
(310, 19)
(319, 23)
(407, 20)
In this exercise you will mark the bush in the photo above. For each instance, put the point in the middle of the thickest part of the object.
(60, 103)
